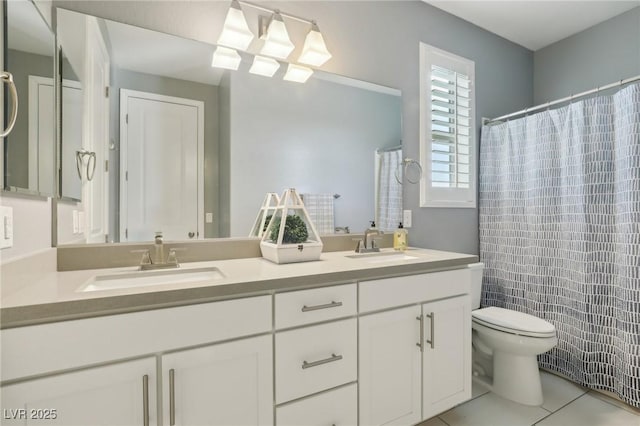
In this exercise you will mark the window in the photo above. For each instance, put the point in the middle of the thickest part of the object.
(447, 129)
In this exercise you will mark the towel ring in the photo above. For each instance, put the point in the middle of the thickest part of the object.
(6, 77)
(404, 166)
(91, 163)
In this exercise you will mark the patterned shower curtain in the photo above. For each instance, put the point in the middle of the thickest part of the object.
(389, 208)
(560, 233)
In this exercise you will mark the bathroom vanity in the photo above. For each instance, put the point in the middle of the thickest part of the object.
(350, 339)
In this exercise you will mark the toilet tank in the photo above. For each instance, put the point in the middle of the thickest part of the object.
(476, 284)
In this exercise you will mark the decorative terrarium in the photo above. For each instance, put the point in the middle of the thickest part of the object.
(291, 235)
(268, 208)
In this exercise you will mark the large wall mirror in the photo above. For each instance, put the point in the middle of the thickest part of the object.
(176, 146)
(29, 151)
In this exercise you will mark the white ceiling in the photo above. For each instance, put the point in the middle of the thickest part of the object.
(27, 31)
(534, 24)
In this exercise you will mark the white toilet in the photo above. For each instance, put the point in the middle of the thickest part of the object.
(505, 345)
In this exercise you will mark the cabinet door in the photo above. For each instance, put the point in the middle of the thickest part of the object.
(226, 384)
(447, 354)
(390, 376)
(121, 394)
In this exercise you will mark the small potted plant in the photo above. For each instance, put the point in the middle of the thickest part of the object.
(290, 235)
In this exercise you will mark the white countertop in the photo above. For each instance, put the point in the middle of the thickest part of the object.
(40, 295)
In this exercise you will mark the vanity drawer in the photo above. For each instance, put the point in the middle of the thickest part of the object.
(400, 291)
(315, 305)
(315, 358)
(337, 407)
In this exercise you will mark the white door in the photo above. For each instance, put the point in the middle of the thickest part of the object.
(41, 135)
(447, 354)
(390, 374)
(220, 385)
(95, 194)
(161, 177)
(115, 395)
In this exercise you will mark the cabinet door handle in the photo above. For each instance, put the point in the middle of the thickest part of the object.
(172, 397)
(332, 358)
(145, 400)
(419, 344)
(6, 77)
(306, 308)
(432, 317)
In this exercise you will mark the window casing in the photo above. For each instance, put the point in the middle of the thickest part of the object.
(447, 129)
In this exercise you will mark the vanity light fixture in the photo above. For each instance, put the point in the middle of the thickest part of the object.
(226, 58)
(264, 66)
(236, 32)
(314, 51)
(298, 73)
(277, 42)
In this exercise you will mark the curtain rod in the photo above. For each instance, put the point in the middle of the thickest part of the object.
(559, 101)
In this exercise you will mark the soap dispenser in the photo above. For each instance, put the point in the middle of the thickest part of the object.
(400, 238)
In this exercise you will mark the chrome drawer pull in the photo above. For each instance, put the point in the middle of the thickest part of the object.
(306, 308)
(145, 400)
(432, 317)
(332, 358)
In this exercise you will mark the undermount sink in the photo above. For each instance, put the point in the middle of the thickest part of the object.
(138, 279)
(382, 257)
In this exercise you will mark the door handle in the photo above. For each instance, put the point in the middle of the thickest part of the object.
(419, 344)
(191, 234)
(432, 317)
(172, 398)
(145, 400)
(6, 77)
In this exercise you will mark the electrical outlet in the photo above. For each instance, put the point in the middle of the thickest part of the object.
(406, 218)
(6, 227)
(81, 224)
(208, 217)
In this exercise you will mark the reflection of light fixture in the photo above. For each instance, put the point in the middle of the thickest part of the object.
(227, 58)
(264, 66)
(277, 42)
(297, 73)
(235, 32)
(314, 51)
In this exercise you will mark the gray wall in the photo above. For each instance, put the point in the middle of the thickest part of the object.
(318, 137)
(22, 65)
(124, 79)
(375, 41)
(599, 55)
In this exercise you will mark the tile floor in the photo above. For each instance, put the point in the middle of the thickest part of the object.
(565, 404)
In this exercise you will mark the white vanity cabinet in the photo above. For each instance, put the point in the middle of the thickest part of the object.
(446, 361)
(122, 394)
(390, 382)
(415, 361)
(220, 385)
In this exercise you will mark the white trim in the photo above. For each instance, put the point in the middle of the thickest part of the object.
(34, 102)
(444, 197)
(125, 94)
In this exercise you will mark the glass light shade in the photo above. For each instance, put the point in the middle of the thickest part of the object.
(277, 42)
(314, 51)
(226, 58)
(235, 32)
(297, 73)
(264, 66)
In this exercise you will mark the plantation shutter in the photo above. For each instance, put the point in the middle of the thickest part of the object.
(450, 128)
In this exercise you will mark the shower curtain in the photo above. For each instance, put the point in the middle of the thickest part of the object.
(560, 233)
(389, 205)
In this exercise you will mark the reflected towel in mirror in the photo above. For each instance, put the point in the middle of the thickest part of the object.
(320, 209)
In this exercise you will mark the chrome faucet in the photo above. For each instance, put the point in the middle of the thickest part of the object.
(368, 244)
(158, 261)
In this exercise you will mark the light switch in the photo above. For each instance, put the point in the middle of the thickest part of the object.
(208, 217)
(406, 218)
(6, 239)
(81, 223)
(76, 225)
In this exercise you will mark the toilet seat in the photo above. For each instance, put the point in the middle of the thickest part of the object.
(513, 322)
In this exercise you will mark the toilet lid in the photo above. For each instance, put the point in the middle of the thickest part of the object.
(514, 322)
